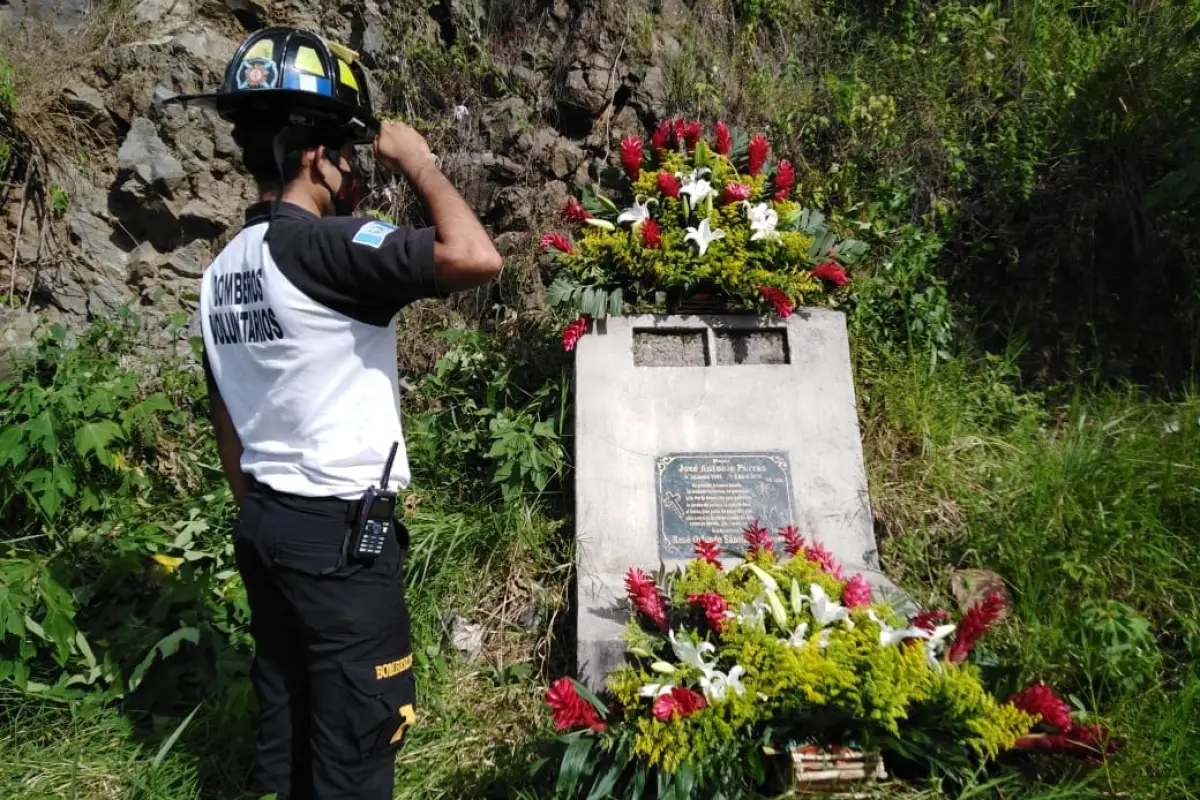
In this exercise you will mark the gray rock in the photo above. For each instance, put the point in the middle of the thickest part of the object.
(202, 221)
(206, 44)
(248, 12)
(224, 145)
(17, 338)
(511, 243)
(375, 44)
(555, 155)
(84, 101)
(188, 262)
(147, 156)
(93, 236)
(652, 93)
(161, 14)
(485, 166)
(506, 121)
(105, 298)
(144, 214)
(466, 638)
(66, 16)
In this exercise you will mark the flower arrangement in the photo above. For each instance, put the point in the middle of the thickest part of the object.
(728, 666)
(679, 215)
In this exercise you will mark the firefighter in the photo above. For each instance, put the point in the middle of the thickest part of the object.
(298, 320)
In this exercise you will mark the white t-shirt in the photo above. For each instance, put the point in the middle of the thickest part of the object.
(300, 339)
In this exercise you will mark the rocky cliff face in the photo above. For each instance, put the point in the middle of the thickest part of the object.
(139, 197)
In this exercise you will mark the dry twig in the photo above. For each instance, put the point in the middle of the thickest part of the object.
(12, 274)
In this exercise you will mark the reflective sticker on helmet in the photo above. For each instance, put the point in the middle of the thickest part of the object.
(372, 234)
(346, 76)
(257, 73)
(263, 48)
(306, 83)
(308, 61)
(342, 52)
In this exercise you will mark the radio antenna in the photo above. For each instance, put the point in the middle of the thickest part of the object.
(387, 468)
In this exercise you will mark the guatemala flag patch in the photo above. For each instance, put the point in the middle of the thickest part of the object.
(372, 234)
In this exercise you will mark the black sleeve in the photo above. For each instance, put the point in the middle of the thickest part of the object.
(363, 268)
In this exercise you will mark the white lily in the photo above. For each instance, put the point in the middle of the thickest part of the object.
(692, 654)
(698, 191)
(889, 636)
(694, 175)
(655, 689)
(695, 187)
(936, 641)
(753, 612)
(636, 213)
(703, 236)
(824, 610)
(797, 597)
(823, 639)
(763, 220)
(716, 683)
(799, 637)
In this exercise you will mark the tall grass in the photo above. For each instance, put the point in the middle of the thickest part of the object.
(1088, 509)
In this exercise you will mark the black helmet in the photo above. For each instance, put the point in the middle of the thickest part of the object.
(293, 72)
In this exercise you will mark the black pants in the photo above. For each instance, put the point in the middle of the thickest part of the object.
(333, 655)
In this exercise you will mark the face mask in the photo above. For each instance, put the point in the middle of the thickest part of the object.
(346, 199)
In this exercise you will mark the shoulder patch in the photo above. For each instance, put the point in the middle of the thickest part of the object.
(373, 233)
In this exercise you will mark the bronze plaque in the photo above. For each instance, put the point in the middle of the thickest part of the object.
(717, 495)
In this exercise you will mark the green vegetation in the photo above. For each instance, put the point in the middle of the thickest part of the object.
(1024, 331)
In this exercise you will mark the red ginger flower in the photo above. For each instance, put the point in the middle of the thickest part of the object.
(857, 592)
(645, 597)
(680, 701)
(975, 623)
(668, 184)
(631, 156)
(708, 550)
(714, 606)
(735, 192)
(783, 306)
(690, 133)
(574, 212)
(573, 332)
(830, 271)
(651, 236)
(928, 620)
(793, 542)
(759, 539)
(1040, 699)
(1090, 741)
(784, 179)
(663, 136)
(757, 152)
(829, 565)
(557, 241)
(724, 141)
(569, 710)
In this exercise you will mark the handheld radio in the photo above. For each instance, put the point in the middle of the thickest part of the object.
(373, 523)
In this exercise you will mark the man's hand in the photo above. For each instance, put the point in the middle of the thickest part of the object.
(463, 252)
(399, 148)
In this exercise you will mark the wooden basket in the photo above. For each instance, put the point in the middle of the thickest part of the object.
(830, 774)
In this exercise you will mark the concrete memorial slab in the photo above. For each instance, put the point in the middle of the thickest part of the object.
(691, 427)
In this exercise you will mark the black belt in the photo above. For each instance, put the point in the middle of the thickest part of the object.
(323, 506)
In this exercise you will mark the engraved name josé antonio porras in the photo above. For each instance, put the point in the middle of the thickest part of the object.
(716, 495)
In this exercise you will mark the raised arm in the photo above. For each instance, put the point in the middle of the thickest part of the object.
(463, 253)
